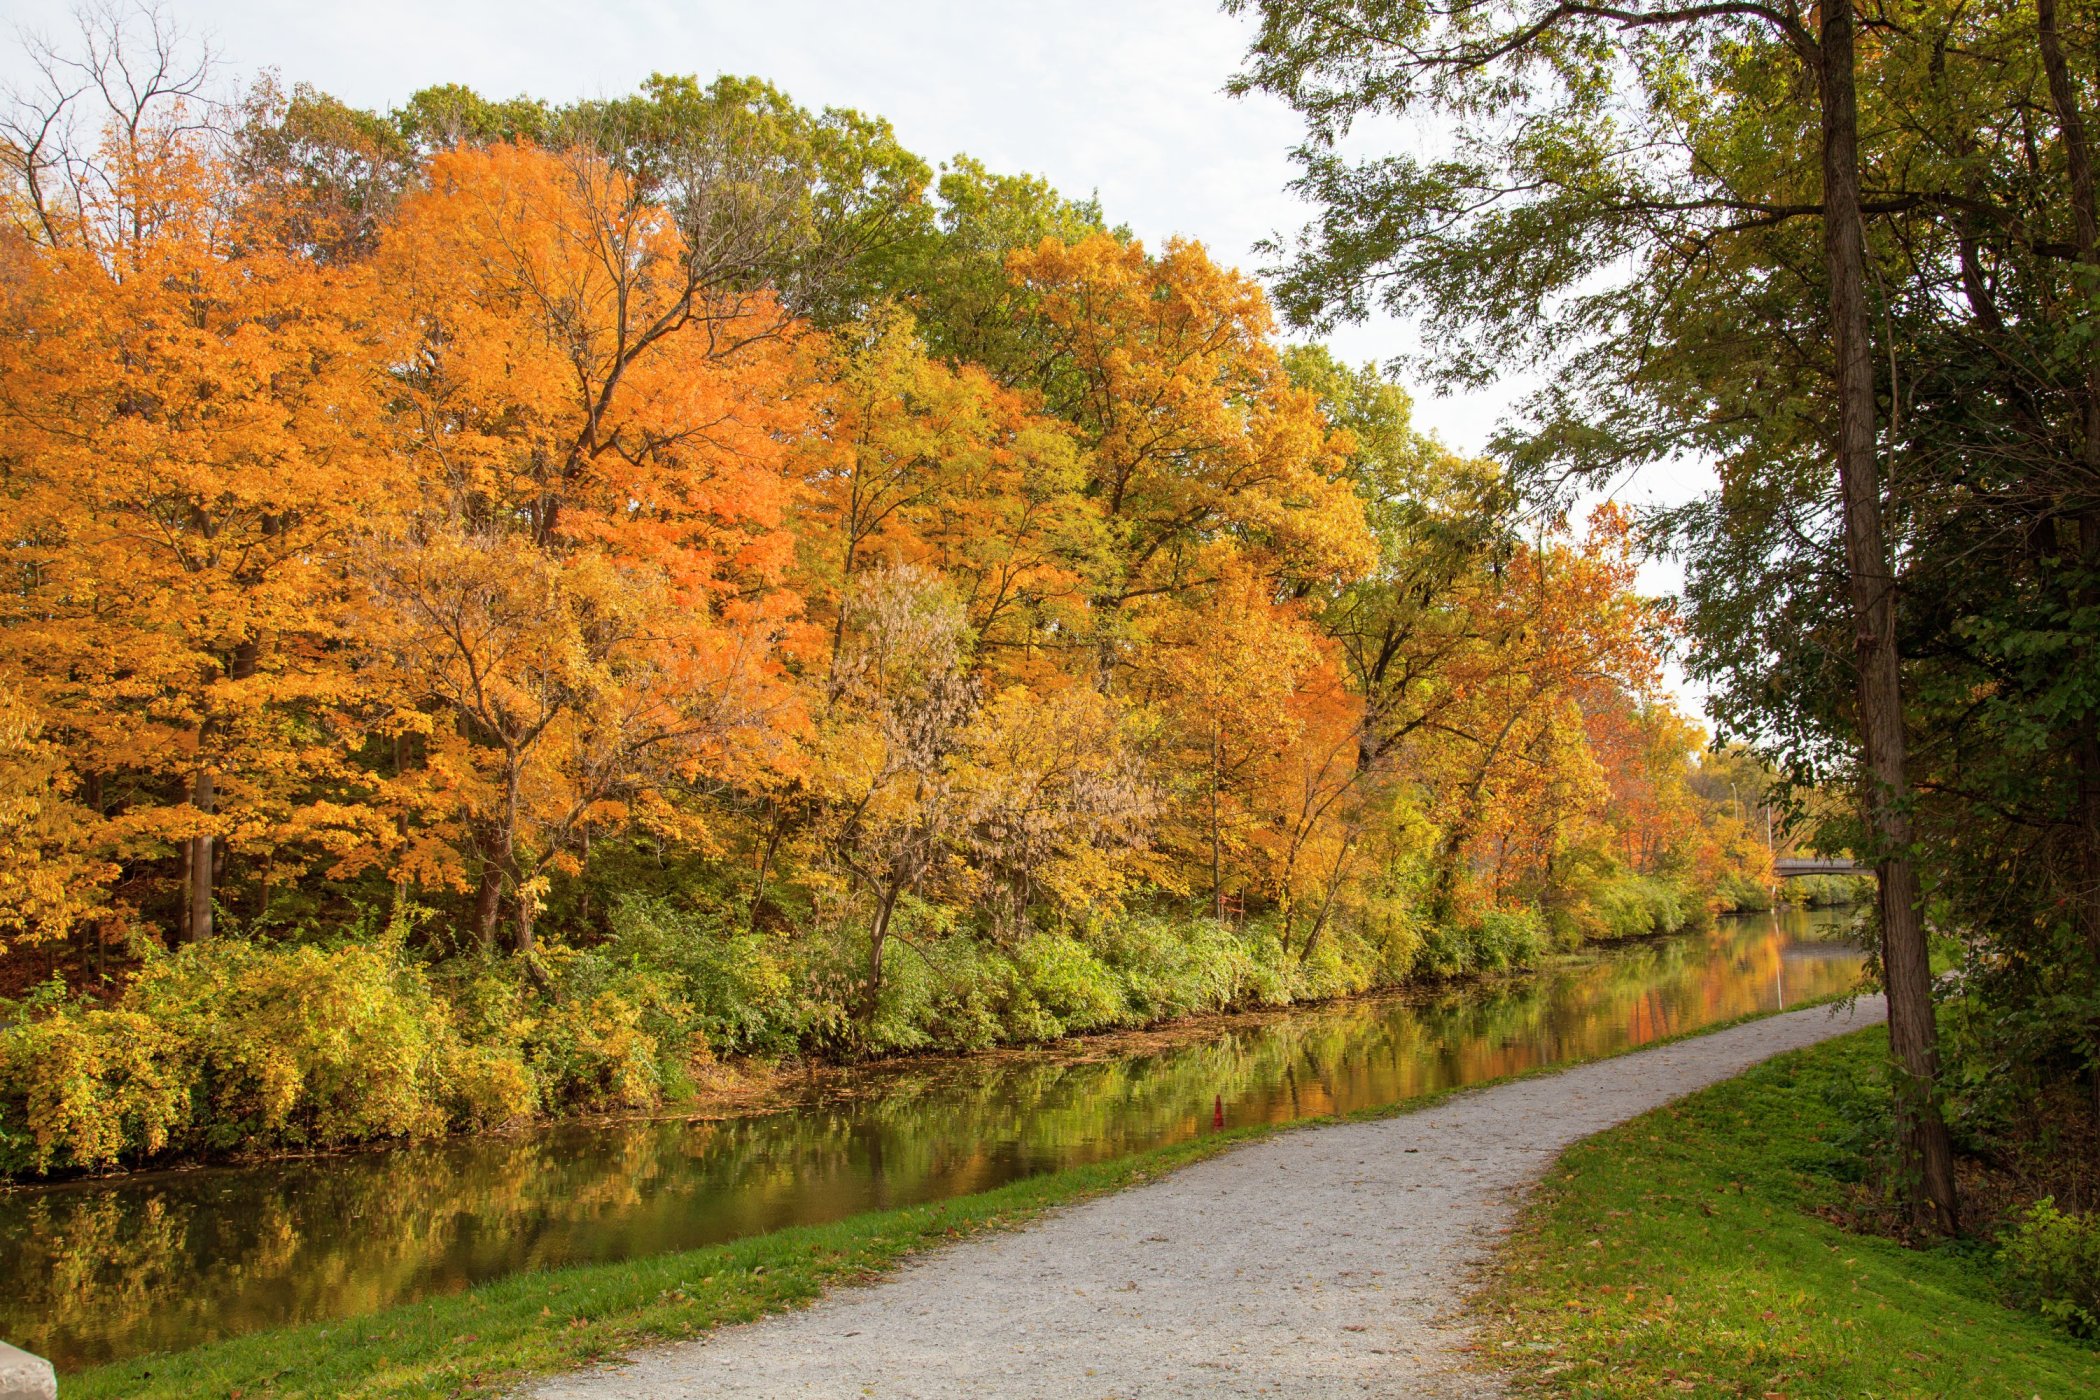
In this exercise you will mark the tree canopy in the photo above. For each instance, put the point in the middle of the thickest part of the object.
(677, 574)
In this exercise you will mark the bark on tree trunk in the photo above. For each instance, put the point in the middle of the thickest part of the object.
(2088, 756)
(765, 861)
(401, 832)
(524, 926)
(878, 935)
(488, 896)
(500, 852)
(1217, 863)
(1450, 855)
(1906, 971)
(202, 863)
(188, 851)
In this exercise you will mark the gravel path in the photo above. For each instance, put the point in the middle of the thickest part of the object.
(1323, 1262)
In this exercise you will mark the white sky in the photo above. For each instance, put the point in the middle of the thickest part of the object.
(1118, 97)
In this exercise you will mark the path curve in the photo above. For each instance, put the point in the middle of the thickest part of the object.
(1320, 1262)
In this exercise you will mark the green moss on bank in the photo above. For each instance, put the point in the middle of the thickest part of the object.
(1678, 1255)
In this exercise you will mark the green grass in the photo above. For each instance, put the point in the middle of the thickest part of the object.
(1677, 1255)
(498, 1333)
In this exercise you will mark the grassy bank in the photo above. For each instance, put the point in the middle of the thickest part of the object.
(1680, 1254)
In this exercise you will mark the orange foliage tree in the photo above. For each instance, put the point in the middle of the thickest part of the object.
(190, 424)
(1199, 448)
(1512, 778)
(583, 602)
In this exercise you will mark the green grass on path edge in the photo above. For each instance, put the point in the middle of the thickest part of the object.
(1677, 1254)
(499, 1334)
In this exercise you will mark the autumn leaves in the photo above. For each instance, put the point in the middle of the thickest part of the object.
(550, 514)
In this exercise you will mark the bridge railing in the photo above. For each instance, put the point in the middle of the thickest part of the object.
(1787, 867)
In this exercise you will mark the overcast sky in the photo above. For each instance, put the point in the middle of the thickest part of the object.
(1119, 97)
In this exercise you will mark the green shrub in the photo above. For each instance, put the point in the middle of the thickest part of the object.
(972, 985)
(84, 1087)
(302, 1046)
(1171, 967)
(229, 1045)
(1499, 940)
(955, 991)
(486, 1085)
(1738, 894)
(595, 1052)
(2050, 1262)
(1828, 891)
(1635, 906)
(1509, 939)
(1063, 989)
(601, 1034)
(1389, 930)
(737, 987)
(1343, 963)
(940, 991)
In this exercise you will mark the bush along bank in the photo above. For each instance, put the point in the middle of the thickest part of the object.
(241, 1047)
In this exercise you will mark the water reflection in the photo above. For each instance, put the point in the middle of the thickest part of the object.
(103, 1271)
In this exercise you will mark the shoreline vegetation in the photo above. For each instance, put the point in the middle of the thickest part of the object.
(488, 1338)
(1713, 1247)
(744, 1084)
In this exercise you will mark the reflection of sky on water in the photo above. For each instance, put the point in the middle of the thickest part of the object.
(167, 1260)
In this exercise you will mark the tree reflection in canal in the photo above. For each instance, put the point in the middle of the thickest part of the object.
(102, 1271)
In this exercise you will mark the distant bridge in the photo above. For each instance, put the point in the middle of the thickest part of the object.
(1787, 867)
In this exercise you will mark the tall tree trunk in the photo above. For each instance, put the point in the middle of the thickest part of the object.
(774, 825)
(1906, 970)
(1217, 861)
(488, 896)
(524, 920)
(2085, 217)
(401, 832)
(187, 853)
(202, 863)
(878, 936)
(1450, 855)
(499, 862)
(2086, 751)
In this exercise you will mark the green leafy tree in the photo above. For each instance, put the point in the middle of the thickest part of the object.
(1587, 191)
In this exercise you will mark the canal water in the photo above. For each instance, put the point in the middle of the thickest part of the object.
(101, 1271)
